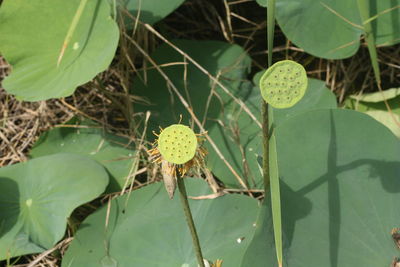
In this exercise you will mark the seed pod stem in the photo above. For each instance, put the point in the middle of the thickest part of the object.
(189, 220)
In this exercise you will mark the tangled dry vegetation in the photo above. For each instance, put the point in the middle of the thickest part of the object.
(107, 99)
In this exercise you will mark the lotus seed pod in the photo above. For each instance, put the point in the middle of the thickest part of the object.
(283, 84)
(177, 144)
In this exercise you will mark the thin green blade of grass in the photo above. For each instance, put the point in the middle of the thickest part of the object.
(363, 8)
(71, 29)
(275, 198)
(380, 14)
(270, 29)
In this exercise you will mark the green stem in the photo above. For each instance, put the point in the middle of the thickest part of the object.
(264, 108)
(189, 220)
(265, 130)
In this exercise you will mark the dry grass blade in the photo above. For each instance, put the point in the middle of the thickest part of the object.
(43, 255)
(201, 68)
(71, 30)
(342, 17)
(194, 117)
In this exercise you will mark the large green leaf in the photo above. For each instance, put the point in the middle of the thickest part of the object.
(37, 196)
(32, 34)
(375, 101)
(149, 229)
(340, 190)
(373, 105)
(377, 97)
(327, 28)
(106, 148)
(150, 11)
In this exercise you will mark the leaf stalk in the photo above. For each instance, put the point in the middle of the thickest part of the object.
(189, 220)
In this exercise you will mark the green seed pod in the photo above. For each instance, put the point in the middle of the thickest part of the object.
(283, 84)
(177, 144)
